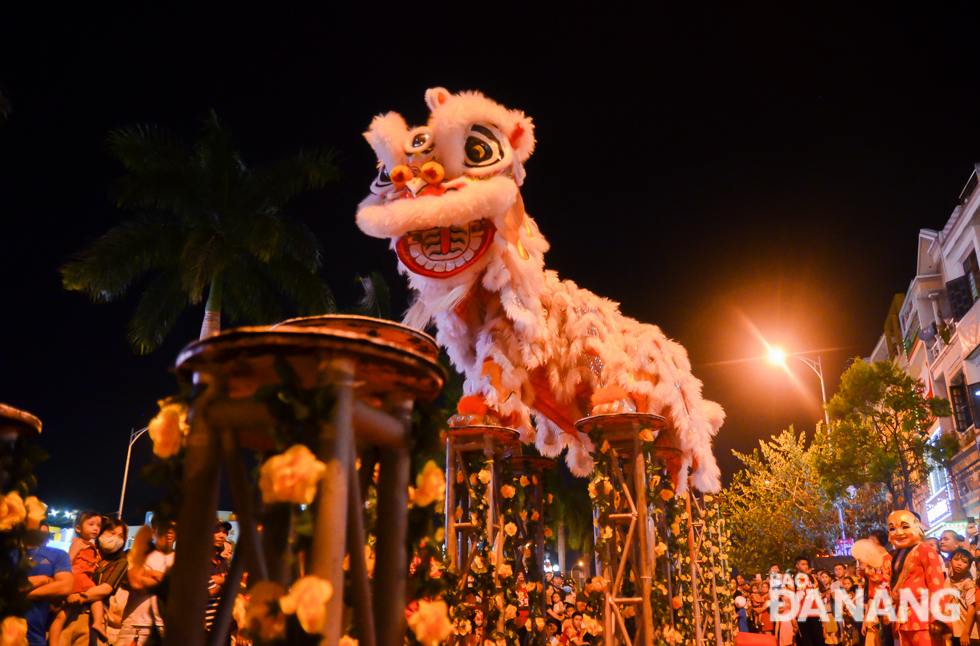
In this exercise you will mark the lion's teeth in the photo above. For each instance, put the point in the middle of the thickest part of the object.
(429, 264)
(475, 242)
(440, 266)
(468, 256)
(415, 250)
(450, 265)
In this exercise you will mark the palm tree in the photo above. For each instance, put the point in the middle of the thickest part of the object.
(204, 221)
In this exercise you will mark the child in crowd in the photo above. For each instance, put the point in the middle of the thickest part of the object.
(959, 578)
(84, 559)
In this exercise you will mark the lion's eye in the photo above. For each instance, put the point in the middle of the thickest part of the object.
(383, 176)
(420, 140)
(482, 147)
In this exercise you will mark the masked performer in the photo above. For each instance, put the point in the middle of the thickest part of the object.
(915, 567)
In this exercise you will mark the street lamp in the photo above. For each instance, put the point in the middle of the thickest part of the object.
(133, 436)
(779, 357)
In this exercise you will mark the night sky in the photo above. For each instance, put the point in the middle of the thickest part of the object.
(730, 175)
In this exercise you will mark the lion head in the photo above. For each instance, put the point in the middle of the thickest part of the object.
(446, 191)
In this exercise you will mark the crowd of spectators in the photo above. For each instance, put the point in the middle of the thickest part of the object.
(960, 556)
(98, 593)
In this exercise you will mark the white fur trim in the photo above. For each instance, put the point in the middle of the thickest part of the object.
(474, 201)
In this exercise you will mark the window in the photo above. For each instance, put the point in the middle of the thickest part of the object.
(937, 480)
(972, 271)
(961, 407)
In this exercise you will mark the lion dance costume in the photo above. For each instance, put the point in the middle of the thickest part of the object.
(538, 353)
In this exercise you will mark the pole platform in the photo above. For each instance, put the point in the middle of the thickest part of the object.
(376, 370)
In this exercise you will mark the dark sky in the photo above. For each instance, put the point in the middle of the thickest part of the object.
(761, 169)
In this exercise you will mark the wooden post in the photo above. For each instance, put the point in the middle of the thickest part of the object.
(561, 547)
(242, 497)
(334, 449)
(391, 556)
(451, 469)
(192, 563)
(643, 527)
(360, 586)
(714, 594)
(692, 552)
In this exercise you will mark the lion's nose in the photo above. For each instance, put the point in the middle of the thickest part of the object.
(401, 175)
(432, 172)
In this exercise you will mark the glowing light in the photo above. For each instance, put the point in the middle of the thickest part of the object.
(777, 356)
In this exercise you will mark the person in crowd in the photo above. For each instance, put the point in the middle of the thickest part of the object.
(80, 628)
(219, 570)
(786, 629)
(949, 541)
(964, 627)
(811, 629)
(851, 627)
(557, 609)
(880, 536)
(149, 565)
(741, 610)
(51, 582)
(109, 574)
(553, 630)
(573, 632)
(759, 602)
(934, 543)
(84, 559)
(839, 571)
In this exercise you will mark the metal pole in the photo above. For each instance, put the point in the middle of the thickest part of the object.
(823, 391)
(817, 367)
(133, 436)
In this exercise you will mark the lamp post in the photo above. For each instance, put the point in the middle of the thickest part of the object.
(133, 436)
(778, 356)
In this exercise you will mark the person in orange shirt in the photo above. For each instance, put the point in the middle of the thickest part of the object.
(915, 567)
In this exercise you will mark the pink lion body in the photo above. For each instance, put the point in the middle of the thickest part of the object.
(539, 352)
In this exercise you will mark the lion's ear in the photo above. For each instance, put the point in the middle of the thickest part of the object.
(386, 135)
(521, 136)
(435, 97)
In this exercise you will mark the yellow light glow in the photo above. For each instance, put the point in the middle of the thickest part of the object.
(777, 356)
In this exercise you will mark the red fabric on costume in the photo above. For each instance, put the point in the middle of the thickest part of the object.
(752, 639)
(923, 571)
(919, 638)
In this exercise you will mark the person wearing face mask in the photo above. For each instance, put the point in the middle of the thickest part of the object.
(148, 565)
(107, 579)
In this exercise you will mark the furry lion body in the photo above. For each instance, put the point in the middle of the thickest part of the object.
(534, 348)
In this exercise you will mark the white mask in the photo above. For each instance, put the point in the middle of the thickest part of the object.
(111, 543)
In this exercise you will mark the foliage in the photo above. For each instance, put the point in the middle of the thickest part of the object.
(204, 222)
(568, 507)
(779, 506)
(376, 301)
(879, 428)
(18, 457)
(865, 508)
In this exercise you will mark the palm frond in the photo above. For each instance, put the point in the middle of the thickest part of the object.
(220, 165)
(199, 259)
(376, 301)
(287, 177)
(106, 269)
(160, 306)
(248, 293)
(310, 293)
(141, 148)
(4, 108)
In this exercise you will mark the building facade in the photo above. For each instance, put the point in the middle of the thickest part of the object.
(933, 332)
